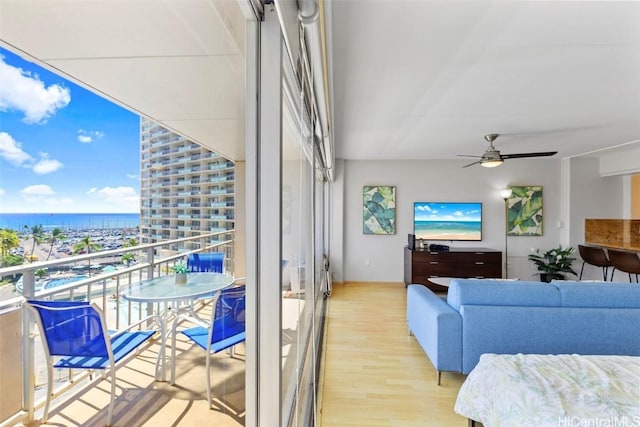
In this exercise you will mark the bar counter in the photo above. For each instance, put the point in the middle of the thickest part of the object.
(613, 233)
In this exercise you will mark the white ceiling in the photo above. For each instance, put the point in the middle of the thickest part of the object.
(428, 79)
(410, 79)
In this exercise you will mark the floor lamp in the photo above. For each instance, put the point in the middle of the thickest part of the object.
(506, 194)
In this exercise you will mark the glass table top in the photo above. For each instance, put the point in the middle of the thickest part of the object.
(164, 288)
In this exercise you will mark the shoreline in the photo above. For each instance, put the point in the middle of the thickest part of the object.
(70, 222)
(41, 251)
(450, 236)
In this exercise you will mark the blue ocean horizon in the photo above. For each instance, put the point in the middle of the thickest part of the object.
(69, 221)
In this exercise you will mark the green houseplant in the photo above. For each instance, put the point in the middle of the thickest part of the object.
(554, 263)
(180, 269)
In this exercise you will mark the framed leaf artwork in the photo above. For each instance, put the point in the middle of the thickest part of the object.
(524, 211)
(379, 209)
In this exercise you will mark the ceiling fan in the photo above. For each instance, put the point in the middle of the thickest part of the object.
(492, 157)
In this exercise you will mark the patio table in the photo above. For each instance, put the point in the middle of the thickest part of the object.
(164, 290)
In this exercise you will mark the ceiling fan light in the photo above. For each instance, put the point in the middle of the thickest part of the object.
(491, 163)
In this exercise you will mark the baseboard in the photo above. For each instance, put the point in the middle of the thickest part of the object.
(372, 283)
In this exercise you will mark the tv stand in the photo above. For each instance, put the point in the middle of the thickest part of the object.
(422, 264)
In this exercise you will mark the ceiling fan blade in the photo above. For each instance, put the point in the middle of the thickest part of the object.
(468, 155)
(523, 155)
(471, 164)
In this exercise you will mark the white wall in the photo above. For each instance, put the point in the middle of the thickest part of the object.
(336, 222)
(589, 196)
(380, 258)
(623, 161)
(592, 196)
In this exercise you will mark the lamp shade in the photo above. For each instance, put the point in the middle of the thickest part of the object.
(506, 193)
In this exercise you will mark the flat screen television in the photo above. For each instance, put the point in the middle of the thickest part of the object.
(447, 220)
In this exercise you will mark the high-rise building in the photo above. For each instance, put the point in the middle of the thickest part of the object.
(185, 189)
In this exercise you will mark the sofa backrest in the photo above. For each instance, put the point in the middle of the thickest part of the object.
(501, 293)
(599, 294)
(206, 262)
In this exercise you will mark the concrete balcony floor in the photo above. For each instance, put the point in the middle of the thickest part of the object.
(142, 401)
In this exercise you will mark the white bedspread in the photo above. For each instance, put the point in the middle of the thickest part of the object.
(547, 390)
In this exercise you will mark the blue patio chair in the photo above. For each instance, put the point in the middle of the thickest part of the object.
(206, 262)
(223, 331)
(74, 336)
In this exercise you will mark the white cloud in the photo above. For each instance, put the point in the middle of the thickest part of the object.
(87, 136)
(2, 192)
(132, 176)
(24, 92)
(37, 190)
(11, 150)
(123, 197)
(43, 195)
(46, 165)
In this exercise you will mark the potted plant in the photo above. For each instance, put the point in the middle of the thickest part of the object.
(554, 263)
(180, 269)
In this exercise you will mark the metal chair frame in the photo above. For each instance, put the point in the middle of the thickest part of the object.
(90, 344)
(227, 311)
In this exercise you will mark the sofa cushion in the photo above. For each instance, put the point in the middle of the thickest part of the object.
(599, 295)
(547, 330)
(488, 292)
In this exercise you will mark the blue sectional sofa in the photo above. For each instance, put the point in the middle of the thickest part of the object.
(509, 317)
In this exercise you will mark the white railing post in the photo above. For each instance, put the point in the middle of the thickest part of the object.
(28, 366)
(150, 261)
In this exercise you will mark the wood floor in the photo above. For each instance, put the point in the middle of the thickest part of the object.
(374, 372)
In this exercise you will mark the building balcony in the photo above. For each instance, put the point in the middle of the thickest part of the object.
(141, 398)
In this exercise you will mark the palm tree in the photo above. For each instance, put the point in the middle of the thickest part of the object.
(86, 245)
(56, 235)
(8, 240)
(38, 236)
(130, 243)
(128, 258)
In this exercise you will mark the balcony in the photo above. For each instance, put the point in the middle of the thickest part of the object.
(82, 400)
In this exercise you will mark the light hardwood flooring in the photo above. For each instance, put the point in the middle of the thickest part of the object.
(374, 372)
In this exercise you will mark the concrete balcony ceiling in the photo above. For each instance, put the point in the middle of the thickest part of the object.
(180, 63)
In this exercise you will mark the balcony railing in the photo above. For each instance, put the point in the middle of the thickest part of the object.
(21, 393)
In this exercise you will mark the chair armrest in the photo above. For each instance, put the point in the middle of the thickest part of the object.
(436, 326)
(191, 319)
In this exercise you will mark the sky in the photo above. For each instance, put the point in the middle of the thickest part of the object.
(63, 149)
(426, 211)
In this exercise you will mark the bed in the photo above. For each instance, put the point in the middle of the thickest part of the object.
(552, 390)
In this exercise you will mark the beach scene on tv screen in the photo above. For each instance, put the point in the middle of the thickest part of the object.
(448, 221)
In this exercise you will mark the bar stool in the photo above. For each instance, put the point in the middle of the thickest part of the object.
(625, 261)
(596, 256)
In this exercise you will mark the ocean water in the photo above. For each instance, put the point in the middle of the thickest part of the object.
(69, 221)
